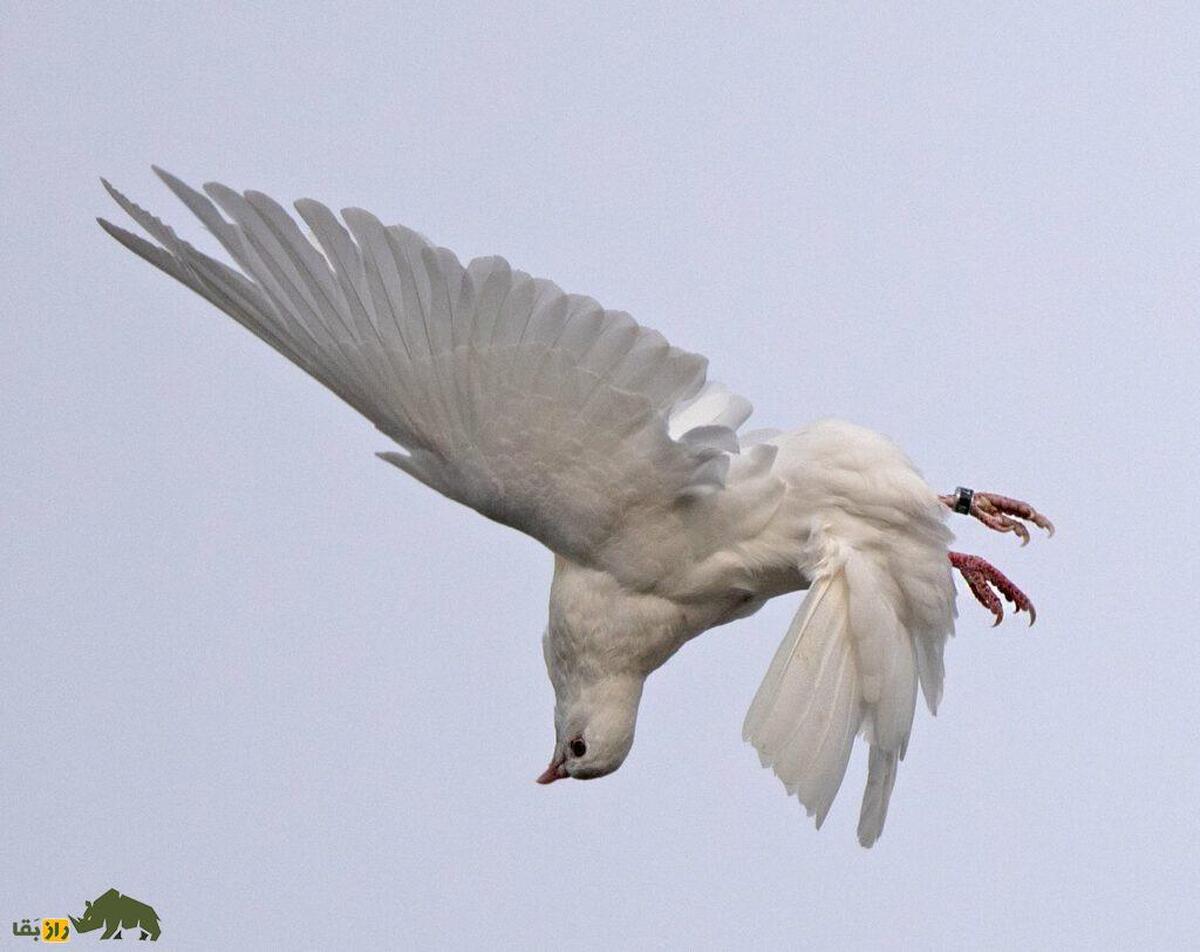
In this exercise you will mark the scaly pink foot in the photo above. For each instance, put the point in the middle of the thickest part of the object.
(981, 577)
(997, 512)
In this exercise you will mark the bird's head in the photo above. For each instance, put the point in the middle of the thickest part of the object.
(593, 728)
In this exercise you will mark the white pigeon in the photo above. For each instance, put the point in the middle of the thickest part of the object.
(547, 413)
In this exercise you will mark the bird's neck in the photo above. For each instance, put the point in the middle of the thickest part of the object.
(598, 629)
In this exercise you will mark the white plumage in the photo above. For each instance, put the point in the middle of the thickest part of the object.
(574, 424)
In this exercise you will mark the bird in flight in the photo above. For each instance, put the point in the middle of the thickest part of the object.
(574, 424)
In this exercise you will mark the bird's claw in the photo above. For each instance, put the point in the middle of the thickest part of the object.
(1000, 522)
(982, 577)
(1002, 514)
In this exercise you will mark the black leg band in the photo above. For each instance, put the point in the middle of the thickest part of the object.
(962, 500)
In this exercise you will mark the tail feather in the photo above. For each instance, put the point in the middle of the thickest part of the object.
(808, 645)
(881, 777)
(847, 665)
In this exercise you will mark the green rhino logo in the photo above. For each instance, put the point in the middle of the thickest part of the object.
(116, 912)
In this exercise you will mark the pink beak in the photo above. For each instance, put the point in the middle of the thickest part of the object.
(555, 771)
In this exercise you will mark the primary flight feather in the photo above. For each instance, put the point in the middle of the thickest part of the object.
(574, 424)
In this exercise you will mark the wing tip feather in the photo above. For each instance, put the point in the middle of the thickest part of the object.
(166, 177)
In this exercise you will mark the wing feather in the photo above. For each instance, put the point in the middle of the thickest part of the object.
(539, 409)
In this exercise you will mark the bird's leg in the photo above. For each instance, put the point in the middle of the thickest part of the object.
(981, 577)
(997, 512)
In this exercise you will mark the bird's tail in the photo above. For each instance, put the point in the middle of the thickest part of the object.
(848, 665)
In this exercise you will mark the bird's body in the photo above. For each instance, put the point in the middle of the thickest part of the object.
(547, 413)
(769, 532)
(833, 493)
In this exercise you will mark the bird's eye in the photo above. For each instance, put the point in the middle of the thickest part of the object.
(578, 747)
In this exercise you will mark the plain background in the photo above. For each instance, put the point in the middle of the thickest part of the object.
(292, 699)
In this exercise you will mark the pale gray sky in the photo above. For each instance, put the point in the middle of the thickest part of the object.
(290, 698)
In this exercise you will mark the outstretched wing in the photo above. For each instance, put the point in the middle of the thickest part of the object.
(539, 409)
